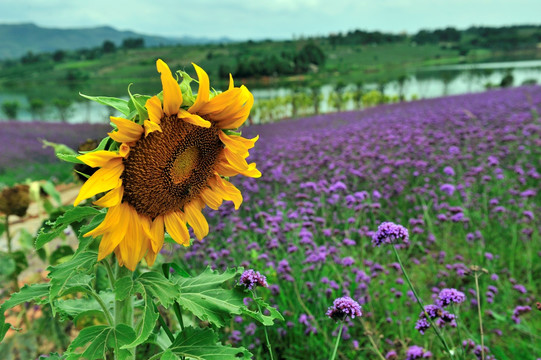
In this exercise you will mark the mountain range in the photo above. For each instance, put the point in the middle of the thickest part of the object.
(19, 39)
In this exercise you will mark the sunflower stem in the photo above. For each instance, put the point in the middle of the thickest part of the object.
(124, 308)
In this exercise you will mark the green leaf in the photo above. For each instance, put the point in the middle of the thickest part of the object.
(148, 318)
(188, 99)
(26, 240)
(119, 104)
(52, 356)
(2, 228)
(101, 338)
(74, 214)
(124, 287)
(61, 275)
(138, 103)
(63, 152)
(204, 296)
(27, 293)
(202, 344)
(164, 289)
(50, 190)
(169, 355)
(267, 320)
(78, 308)
(77, 283)
(61, 252)
(7, 265)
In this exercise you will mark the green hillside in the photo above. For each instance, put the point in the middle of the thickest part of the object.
(353, 57)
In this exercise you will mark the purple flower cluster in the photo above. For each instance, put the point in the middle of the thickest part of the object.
(417, 352)
(251, 279)
(519, 310)
(448, 297)
(436, 313)
(343, 307)
(389, 233)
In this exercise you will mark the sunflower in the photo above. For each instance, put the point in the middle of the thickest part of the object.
(167, 170)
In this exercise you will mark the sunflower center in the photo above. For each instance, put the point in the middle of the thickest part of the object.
(184, 164)
(166, 170)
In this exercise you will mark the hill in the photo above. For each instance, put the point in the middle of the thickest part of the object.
(19, 39)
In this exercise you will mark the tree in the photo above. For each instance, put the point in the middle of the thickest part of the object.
(108, 47)
(63, 107)
(36, 108)
(133, 43)
(59, 55)
(11, 108)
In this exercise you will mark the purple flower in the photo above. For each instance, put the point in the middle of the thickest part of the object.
(450, 296)
(388, 233)
(251, 279)
(417, 352)
(449, 171)
(343, 307)
(449, 189)
(519, 310)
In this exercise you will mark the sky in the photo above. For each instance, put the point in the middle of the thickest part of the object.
(269, 19)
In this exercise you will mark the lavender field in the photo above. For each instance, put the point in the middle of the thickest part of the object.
(23, 153)
(462, 174)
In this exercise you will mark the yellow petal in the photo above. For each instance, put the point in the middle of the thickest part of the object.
(154, 108)
(98, 158)
(151, 126)
(227, 191)
(193, 119)
(221, 102)
(157, 231)
(172, 96)
(204, 90)
(223, 168)
(112, 198)
(237, 161)
(150, 257)
(231, 84)
(128, 131)
(134, 246)
(111, 219)
(196, 220)
(234, 118)
(176, 227)
(237, 144)
(103, 180)
(116, 234)
(124, 150)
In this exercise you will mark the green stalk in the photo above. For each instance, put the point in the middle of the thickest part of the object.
(124, 308)
(455, 308)
(432, 325)
(164, 325)
(337, 341)
(369, 335)
(110, 274)
(10, 250)
(476, 275)
(103, 307)
(264, 329)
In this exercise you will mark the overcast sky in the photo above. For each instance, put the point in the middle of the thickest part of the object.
(276, 19)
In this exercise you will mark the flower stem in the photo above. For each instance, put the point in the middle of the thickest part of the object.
(369, 335)
(456, 310)
(338, 338)
(124, 308)
(264, 329)
(10, 250)
(110, 273)
(164, 325)
(103, 307)
(432, 325)
(476, 275)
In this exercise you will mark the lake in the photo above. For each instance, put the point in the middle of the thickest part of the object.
(425, 83)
